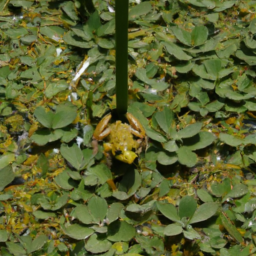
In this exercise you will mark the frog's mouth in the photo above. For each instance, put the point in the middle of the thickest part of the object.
(126, 156)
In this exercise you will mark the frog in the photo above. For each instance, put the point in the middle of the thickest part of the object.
(120, 137)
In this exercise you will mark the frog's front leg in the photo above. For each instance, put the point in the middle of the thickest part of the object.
(102, 131)
(136, 126)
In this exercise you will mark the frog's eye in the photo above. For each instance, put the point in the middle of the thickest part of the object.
(118, 152)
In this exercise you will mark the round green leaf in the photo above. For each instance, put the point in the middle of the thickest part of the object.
(97, 244)
(82, 213)
(186, 157)
(230, 139)
(6, 174)
(98, 208)
(168, 210)
(140, 9)
(204, 212)
(64, 115)
(173, 230)
(77, 231)
(204, 195)
(167, 158)
(190, 130)
(120, 231)
(187, 207)
(199, 35)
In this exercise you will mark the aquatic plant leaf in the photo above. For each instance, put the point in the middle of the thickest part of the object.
(98, 208)
(120, 231)
(221, 189)
(64, 115)
(230, 139)
(170, 146)
(97, 244)
(190, 130)
(176, 51)
(16, 248)
(6, 159)
(186, 156)
(204, 195)
(237, 191)
(199, 35)
(231, 228)
(113, 211)
(43, 136)
(173, 230)
(3, 236)
(78, 158)
(199, 141)
(191, 234)
(6, 175)
(101, 172)
(82, 213)
(165, 119)
(129, 184)
(64, 181)
(167, 158)
(77, 231)
(182, 35)
(204, 212)
(140, 9)
(44, 215)
(37, 243)
(187, 207)
(168, 210)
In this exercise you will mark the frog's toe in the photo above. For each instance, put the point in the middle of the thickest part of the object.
(127, 157)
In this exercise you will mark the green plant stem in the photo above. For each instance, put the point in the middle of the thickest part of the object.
(121, 55)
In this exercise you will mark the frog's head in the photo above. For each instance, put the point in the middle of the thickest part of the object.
(126, 156)
(121, 153)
